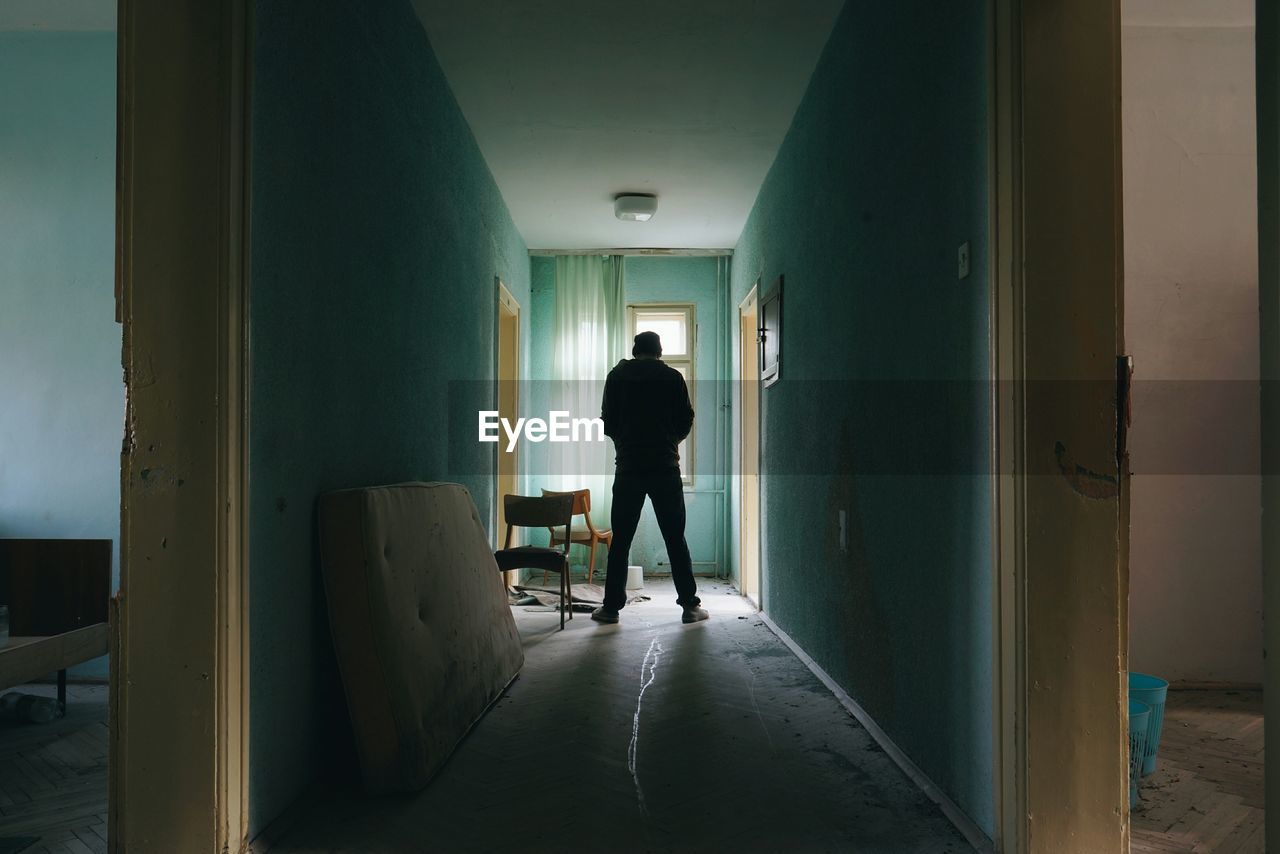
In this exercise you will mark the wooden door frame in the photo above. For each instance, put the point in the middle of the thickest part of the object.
(1062, 57)
(504, 301)
(180, 676)
(753, 595)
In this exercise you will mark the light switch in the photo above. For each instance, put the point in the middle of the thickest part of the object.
(964, 260)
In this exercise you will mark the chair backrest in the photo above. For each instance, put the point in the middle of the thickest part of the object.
(581, 499)
(581, 505)
(528, 511)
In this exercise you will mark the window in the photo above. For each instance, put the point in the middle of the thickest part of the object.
(674, 323)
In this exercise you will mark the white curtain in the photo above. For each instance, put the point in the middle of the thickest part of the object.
(589, 340)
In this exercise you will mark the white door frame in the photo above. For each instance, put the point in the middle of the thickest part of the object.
(1061, 582)
(179, 668)
(748, 468)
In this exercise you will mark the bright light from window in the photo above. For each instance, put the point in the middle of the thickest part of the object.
(674, 325)
(673, 329)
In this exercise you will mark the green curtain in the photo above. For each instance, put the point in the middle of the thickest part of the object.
(590, 329)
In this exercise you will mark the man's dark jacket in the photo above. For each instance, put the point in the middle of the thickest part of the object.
(647, 413)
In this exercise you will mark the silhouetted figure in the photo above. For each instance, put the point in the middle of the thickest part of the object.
(647, 413)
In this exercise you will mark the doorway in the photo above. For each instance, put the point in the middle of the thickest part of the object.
(1191, 325)
(749, 460)
(508, 395)
(61, 422)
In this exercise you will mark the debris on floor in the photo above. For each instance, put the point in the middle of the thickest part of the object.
(29, 708)
(586, 597)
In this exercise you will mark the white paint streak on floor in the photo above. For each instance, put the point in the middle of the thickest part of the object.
(650, 667)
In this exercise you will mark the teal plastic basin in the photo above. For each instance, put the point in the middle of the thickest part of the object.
(1151, 690)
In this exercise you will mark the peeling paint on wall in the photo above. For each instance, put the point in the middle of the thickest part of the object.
(1085, 481)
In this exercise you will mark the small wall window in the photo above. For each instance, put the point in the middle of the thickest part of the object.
(675, 325)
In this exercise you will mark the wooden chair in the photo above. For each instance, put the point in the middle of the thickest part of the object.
(588, 536)
(526, 511)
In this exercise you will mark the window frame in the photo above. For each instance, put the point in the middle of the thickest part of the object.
(688, 361)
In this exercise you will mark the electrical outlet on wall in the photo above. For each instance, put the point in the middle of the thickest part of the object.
(964, 260)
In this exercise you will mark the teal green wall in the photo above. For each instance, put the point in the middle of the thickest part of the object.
(881, 178)
(377, 233)
(662, 280)
(62, 417)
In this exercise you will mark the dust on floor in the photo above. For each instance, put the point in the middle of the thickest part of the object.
(649, 735)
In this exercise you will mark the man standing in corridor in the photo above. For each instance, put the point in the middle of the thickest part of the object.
(646, 411)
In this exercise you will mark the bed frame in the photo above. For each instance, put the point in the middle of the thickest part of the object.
(57, 592)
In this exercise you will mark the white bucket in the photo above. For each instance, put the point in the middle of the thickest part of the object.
(635, 578)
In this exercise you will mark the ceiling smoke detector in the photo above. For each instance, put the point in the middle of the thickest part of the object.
(635, 207)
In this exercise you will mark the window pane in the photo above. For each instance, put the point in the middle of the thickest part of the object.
(673, 329)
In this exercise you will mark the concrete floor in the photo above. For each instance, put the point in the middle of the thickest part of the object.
(736, 746)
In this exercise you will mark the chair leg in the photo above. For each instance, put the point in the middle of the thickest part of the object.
(591, 561)
(568, 588)
(562, 601)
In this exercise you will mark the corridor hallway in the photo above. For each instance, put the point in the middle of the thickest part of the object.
(738, 746)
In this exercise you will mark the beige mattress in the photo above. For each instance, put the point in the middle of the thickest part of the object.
(424, 637)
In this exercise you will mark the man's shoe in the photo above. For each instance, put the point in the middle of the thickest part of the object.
(604, 615)
(694, 615)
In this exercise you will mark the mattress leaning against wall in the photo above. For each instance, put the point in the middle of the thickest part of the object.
(424, 638)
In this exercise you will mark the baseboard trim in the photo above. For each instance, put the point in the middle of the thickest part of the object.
(1189, 685)
(286, 821)
(970, 831)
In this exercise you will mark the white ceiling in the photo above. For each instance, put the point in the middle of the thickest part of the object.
(575, 101)
(58, 15)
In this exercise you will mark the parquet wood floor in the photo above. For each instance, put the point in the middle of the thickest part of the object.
(53, 777)
(1206, 795)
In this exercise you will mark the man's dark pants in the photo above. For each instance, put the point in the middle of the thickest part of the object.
(666, 491)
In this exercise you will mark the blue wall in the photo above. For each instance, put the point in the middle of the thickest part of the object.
(62, 416)
(881, 178)
(377, 233)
